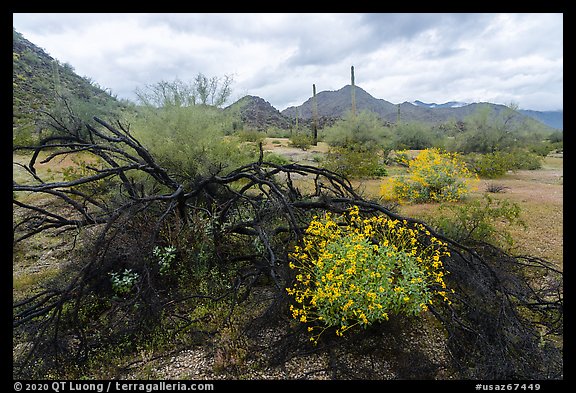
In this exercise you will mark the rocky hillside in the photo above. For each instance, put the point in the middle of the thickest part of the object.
(258, 114)
(41, 83)
(334, 104)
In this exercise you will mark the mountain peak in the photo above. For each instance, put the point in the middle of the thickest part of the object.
(335, 103)
(255, 112)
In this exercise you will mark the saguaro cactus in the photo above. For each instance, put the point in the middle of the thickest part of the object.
(353, 92)
(314, 116)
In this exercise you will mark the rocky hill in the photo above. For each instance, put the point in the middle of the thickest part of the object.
(258, 114)
(41, 83)
(334, 104)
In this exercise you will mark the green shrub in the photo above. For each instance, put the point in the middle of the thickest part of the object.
(482, 220)
(488, 166)
(354, 162)
(542, 149)
(275, 132)
(250, 136)
(301, 140)
(191, 141)
(412, 135)
(525, 160)
(365, 130)
(493, 165)
(275, 158)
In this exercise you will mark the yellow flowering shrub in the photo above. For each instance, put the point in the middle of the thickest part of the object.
(433, 176)
(355, 271)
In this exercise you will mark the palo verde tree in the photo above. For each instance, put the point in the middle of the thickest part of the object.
(146, 235)
(203, 90)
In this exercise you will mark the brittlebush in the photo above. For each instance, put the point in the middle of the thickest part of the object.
(356, 271)
(433, 176)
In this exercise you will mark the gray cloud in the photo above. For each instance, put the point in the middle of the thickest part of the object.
(398, 57)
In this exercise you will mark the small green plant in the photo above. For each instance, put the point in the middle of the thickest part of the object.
(354, 271)
(165, 256)
(275, 158)
(122, 283)
(495, 188)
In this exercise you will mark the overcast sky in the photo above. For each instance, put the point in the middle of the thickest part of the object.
(498, 58)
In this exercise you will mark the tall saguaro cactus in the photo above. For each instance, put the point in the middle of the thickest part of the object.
(353, 92)
(314, 117)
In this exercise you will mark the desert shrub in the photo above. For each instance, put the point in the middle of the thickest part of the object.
(191, 141)
(275, 158)
(275, 132)
(354, 271)
(488, 166)
(354, 163)
(493, 165)
(556, 136)
(413, 135)
(364, 129)
(542, 149)
(250, 136)
(301, 140)
(486, 219)
(433, 176)
(525, 160)
(23, 134)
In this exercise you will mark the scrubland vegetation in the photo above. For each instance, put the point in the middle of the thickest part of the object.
(175, 229)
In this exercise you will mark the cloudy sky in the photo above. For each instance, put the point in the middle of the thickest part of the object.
(498, 58)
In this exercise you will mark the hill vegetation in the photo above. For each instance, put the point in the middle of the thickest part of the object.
(42, 85)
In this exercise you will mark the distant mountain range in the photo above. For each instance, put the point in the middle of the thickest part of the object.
(451, 104)
(554, 119)
(334, 104)
(38, 79)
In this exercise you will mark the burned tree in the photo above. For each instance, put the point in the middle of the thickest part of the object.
(147, 234)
